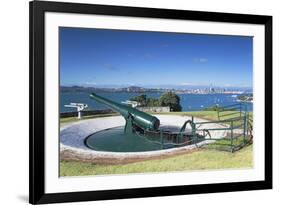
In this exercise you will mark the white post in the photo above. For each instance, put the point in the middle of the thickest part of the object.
(79, 107)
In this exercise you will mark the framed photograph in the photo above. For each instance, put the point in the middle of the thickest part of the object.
(130, 102)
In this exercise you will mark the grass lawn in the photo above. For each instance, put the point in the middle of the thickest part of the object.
(198, 160)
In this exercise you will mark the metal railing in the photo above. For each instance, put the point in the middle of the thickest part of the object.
(238, 122)
(234, 119)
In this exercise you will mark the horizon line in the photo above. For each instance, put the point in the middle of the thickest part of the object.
(153, 86)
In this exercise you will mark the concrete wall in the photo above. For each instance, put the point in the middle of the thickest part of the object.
(154, 109)
(107, 111)
(86, 113)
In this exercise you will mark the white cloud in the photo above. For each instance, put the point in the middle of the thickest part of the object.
(90, 83)
(200, 60)
(192, 84)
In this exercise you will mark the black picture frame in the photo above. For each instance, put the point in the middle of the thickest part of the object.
(37, 193)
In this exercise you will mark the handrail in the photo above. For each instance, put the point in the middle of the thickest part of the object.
(219, 121)
(233, 105)
(228, 114)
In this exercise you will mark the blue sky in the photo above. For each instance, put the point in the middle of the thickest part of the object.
(99, 57)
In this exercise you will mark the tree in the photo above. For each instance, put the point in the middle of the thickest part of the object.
(172, 100)
(151, 102)
(141, 99)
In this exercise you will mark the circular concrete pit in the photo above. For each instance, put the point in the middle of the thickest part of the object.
(73, 147)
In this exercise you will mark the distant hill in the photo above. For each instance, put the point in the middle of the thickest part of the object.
(95, 89)
(139, 89)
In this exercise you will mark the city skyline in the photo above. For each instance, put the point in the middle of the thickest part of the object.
(99, 57)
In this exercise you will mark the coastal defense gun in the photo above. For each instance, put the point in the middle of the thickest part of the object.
(133, 116)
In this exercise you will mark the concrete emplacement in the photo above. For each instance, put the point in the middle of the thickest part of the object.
(72, 137)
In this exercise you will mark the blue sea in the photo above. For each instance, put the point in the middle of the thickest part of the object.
(189, 102)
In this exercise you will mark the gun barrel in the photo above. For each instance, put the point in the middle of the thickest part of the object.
(142, 119)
